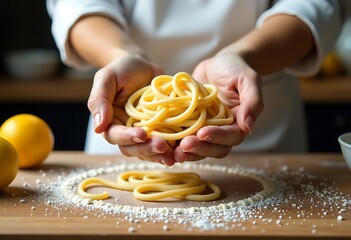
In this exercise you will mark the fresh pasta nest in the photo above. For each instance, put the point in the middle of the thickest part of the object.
(155, 186)
(175, 107)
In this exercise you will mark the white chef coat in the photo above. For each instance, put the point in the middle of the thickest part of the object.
(178, 34)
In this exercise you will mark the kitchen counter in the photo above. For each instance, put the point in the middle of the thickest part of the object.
(53, 90)
(335, 90)
(313, 199)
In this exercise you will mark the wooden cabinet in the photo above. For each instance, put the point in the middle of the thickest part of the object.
(60, 102)
(321, 91)
(56, 90)
(328, 111)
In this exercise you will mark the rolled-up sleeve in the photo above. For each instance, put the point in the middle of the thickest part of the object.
(323, 17)
(65, 13)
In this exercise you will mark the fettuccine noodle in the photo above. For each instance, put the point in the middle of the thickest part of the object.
(155, 186)
(174, 107)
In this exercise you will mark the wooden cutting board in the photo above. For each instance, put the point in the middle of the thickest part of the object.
(316, 189)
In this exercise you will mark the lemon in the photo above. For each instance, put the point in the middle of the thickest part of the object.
(8, 163)
(31, 136)
(331, 65)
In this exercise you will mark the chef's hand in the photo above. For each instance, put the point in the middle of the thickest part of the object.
(239, 88)
(113, 84)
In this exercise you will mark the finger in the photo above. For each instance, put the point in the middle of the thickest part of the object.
(251, 101)
(122, 135)
(154, 150)
(227, 135)
(156, 70)
(166, 158)
(101, 99)
(199, 73)
(191, 144)
(180, 156)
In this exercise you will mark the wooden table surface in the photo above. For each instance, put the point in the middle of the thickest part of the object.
(316, 190)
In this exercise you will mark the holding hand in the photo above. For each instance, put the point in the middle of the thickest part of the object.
(113, 84)
(239, 88)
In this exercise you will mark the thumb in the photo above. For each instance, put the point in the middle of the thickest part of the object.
(248, 113)
(101, 99)
(199, 73)
(251, 104)
(156, 70)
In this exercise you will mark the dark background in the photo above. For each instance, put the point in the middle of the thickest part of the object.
(25, 24)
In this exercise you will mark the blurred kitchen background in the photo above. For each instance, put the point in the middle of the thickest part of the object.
(45, 87)
(32, 77)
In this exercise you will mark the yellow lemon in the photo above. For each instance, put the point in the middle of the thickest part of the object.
(31, 136)
(8, 163)
(331, 65)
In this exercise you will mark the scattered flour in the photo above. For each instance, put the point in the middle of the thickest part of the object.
(287, 194)
(69, 188)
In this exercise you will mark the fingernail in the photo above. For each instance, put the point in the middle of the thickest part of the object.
(181, 162)
(165, 163)
(207, 138)
(191, 150)
(155, 150)
(137, 140)
(249, 122)
(97, 120)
